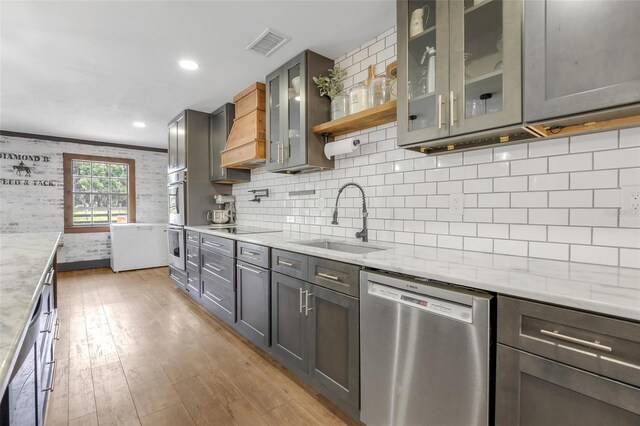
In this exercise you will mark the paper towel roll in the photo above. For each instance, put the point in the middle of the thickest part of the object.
(341, 147)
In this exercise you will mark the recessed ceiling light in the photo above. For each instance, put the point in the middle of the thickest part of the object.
(188, 64)
(139, 124)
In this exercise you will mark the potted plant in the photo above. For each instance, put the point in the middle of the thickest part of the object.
(333, 87)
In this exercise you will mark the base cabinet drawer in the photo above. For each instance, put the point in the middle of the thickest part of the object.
(219, 297)
(193, 256)
(216, 265)
(218, 245)
(178, 277)
(193, 284)
(253, 303)
(338, 276)
(287, 263)
(253, 253)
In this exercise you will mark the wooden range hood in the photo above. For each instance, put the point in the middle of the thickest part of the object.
(246, 146)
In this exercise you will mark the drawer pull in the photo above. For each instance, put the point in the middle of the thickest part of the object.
(207, 243)
(331, 277)
(53, 377)
(213, 267)
(173, 277)
(50, 326)
(189, 256)
(282, 262)
(595, 345)
(249, 269)
(250, 253)
(48, 279)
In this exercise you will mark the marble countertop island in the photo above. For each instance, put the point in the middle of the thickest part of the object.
(23, 266)
(601, 289)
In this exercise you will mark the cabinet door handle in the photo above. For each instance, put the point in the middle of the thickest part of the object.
(439, 112)
(452, 116)
(249, 269)
(56, 335)
(282, 262)
(595, 345)
(301, 299)
(331, 277)
(306, 304)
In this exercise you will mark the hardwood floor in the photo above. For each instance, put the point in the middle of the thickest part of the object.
(134, 351)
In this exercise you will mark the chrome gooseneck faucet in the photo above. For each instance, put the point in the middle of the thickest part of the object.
(364, 234)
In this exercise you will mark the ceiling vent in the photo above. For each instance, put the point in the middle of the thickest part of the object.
(268, 42)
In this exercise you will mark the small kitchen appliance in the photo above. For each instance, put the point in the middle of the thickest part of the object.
(227, 214)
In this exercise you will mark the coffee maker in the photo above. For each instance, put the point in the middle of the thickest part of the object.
(224, 217)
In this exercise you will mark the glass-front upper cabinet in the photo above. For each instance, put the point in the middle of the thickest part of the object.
(294, 107)
(486, 74)
(423, 70)
(459, 67)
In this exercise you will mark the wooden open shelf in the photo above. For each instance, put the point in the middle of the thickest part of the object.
(371, 117)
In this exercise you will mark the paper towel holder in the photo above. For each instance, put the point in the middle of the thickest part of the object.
(327, 135)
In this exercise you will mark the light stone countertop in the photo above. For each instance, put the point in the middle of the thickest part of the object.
(602, 289)
(23, 266)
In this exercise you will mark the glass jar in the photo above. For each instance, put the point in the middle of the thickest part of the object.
(358, 98)
(339, 106)
(379, 91)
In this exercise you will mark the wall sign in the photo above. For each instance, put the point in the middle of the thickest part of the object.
(17, 169)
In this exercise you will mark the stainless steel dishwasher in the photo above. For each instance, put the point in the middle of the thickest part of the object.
(425, 352)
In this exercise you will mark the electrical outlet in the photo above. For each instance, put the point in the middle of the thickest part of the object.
(631, 199)
(456, 204)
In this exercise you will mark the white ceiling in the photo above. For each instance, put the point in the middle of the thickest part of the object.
(88, 69)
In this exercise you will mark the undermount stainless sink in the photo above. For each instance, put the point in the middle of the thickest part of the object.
(348, 248)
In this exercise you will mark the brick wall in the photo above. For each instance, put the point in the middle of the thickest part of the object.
(41, 208)
(556, 199)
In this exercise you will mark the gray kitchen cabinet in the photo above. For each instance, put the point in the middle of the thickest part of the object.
(459, 68)
(253, 293)
(177, 143)
(220, 124)
(289, 328)
(334, 343)
(294, 106)
(179, 278)
(218, 280)
(579, 56)
(560, 366)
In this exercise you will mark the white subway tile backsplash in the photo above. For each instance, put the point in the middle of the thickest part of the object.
(549, 182)
(616, 159)
(571, 163)
(616, 237)
(493, 200)
(464, 172)
(528, 232)
(478, 244)
(547, 147)
(493, 230)
(510, 215)
(549, 216)
(510, 184)
(569, 234)
(593, 254)
(630, 137)
(607, 198)
(594, 141)
(510, 247)
(531, 199)
(510, 152)
(450, 160)
(629, 258)
(493, 169)
(593, 217)
(599, 179)
(549, 251)
(531, 166)
(478, 185)
(528, 199)
(478, 156)
(581, 198)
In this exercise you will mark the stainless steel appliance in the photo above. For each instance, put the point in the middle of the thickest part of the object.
(177, 199)
(425, 352)
(558, 366)
(175, 236)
